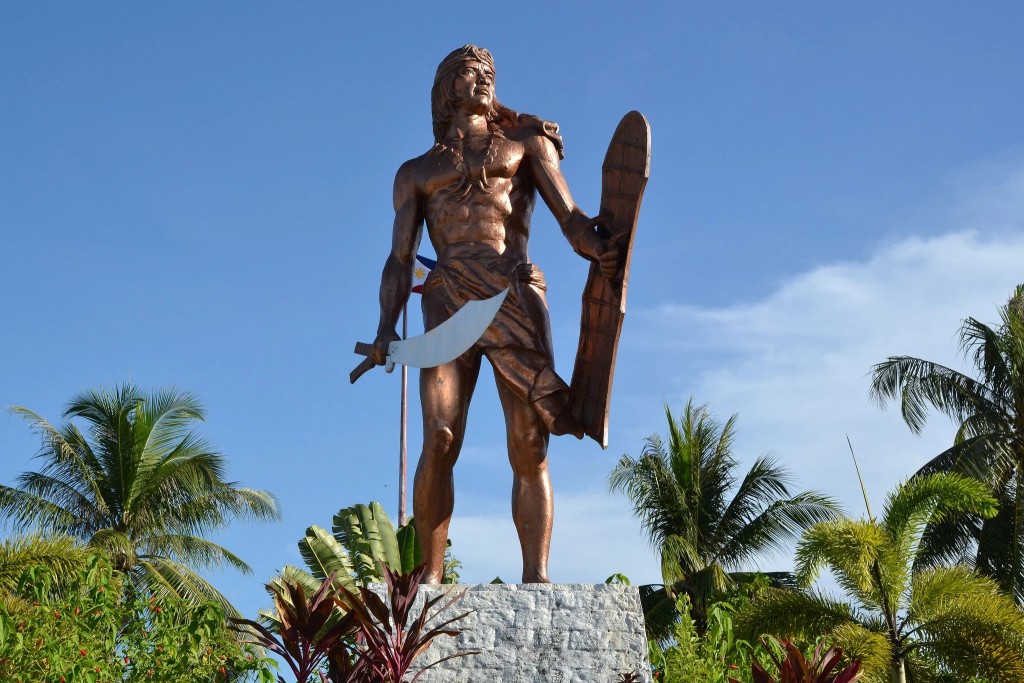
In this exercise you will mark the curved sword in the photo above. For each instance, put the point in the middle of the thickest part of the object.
(444, 343)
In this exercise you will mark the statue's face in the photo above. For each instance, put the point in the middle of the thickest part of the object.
(473, 86)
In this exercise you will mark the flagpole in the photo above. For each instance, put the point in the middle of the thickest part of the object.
(402, 445)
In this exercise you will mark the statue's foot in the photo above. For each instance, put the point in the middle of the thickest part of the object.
(432, 578)
(535, 576)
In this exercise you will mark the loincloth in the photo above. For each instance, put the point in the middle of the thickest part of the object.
(518, 341)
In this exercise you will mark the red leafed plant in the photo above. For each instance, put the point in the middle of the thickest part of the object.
(369, 640)
(794, 667)
(390, 642)
(311, 631)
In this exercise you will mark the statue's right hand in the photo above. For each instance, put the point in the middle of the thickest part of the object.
(381, 345)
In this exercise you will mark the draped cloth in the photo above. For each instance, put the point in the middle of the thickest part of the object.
(518, 341)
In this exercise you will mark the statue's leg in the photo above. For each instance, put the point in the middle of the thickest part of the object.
(445, 392)
(532, 500)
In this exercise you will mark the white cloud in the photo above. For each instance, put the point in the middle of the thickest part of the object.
(795, 363)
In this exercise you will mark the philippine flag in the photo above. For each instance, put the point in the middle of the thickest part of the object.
(421, 269)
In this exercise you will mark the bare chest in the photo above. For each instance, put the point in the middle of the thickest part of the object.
(480, 162)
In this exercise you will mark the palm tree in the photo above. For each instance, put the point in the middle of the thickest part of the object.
(904, 618)
(140, 484)
(989, 444)
(680, 492)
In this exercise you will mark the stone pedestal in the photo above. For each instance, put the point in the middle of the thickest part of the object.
(542, 633)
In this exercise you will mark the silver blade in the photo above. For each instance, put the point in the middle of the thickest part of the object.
(450, 339)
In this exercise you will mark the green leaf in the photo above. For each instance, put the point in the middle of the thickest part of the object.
(408, 548)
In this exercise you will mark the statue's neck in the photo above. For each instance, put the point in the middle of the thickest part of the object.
(466, 124)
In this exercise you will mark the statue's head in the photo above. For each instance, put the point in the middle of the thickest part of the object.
(445, 97)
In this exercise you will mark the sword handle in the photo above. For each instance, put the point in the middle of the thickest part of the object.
(367, 364)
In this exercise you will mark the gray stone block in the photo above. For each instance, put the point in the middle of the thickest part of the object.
(541, 633)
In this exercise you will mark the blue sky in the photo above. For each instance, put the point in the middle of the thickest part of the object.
(198, 195)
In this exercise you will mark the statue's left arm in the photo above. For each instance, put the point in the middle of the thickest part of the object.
(542, 157)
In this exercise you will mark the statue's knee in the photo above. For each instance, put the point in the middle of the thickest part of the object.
(438, 440)
(534, 442)
(528, 453)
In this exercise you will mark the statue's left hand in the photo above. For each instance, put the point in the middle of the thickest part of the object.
(605, 252)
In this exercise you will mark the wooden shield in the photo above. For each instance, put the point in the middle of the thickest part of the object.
(623, 177)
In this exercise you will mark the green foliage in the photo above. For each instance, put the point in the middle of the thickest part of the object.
(139, 484)
(989, 444)
(924, 620)
(709, 657)
(362, 542)
(92, 634)
(63, 557)
(702, 518)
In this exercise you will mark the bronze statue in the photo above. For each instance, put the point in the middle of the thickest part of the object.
(475, 189)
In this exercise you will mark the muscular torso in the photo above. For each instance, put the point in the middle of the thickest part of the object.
(460, 208)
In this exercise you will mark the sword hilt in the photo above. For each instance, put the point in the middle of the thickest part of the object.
(364, 349)
(367, 364)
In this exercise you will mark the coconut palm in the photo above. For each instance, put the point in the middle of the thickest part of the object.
(140, 484)
(904, 621)
(680, 491)
(989, 444)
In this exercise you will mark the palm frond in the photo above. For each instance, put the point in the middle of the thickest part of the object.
(160, 576)
(866, 642)
(163, 420)
(849, 548)
(765, 482)
(195, 552)
(780, 523)
(28, 510)
(984, 346)
(61, 555)
(791, 614)
(950, 541)
(915, 503)
(118, 546)
(967, 623)
(920, 384)
(680, 558)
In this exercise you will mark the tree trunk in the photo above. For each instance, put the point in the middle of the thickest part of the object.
(899, 671)
(1018, 512)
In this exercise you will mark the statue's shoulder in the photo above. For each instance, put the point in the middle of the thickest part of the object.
(408, 174)
(532, 130)
(411, 168)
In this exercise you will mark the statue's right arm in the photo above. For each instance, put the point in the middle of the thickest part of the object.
(396, 280)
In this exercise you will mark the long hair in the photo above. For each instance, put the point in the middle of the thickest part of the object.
(442, 95)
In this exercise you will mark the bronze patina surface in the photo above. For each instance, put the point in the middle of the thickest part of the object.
(475, 191)
(624, 174)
